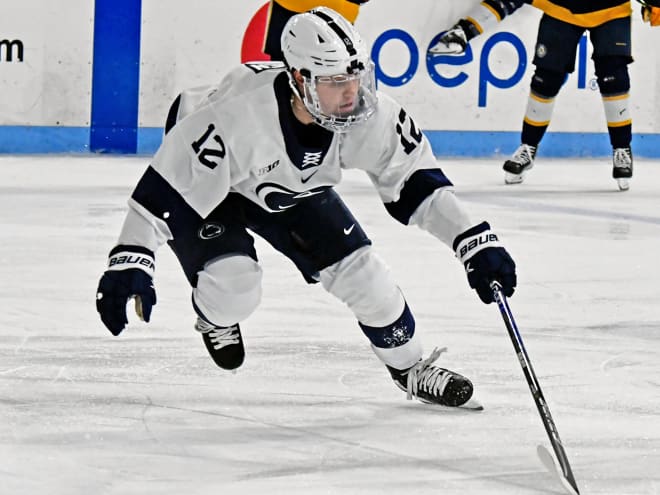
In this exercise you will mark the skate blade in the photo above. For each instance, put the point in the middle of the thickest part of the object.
(442, 49)
(510, 178)
(624, 184)
(471, 405)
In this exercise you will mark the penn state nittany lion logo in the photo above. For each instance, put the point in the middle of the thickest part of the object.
(279, 198)
(210, 230)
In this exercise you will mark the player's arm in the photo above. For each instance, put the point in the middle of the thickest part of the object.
(416, 191)
(183, 184)
(442, 214)
(483, 17)
(428, 201)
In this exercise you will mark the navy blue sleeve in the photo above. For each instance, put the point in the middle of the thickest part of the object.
(419, 186)
(161, 200)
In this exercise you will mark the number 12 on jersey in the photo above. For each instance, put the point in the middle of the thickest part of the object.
(207, 155)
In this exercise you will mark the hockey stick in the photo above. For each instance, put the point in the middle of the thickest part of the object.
(560, 462)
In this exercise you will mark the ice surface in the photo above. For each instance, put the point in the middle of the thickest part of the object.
(312, 411)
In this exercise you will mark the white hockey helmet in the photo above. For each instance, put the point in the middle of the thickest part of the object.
(327, 50)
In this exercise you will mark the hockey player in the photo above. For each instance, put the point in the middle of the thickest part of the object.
(280, 11)
(261, 153)
(559, 32)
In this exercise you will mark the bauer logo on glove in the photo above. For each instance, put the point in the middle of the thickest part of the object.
(477, 242)
(485, 261)
(129, 276)
(124, 261)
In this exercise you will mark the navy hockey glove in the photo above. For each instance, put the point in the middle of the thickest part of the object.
(129, 274)
(485, 261)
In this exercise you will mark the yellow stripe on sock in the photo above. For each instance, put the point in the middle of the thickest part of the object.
(492, 10)
(536, 124)
(476, 24)
(620, 124)
(615, 98)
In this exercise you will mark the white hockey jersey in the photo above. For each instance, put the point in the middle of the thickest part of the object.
(241, 136)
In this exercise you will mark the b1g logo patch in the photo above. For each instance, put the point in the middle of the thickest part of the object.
(210, 230)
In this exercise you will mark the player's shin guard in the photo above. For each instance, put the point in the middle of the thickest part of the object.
(396, 345)
(540, 105)
(614, 84)
(400, 349)
(537, 118)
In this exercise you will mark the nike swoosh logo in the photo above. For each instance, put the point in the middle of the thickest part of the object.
(307, 194)
(304, 180)
(284, 207)
(348, 230)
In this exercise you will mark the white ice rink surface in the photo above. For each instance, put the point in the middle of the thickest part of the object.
(312, 411)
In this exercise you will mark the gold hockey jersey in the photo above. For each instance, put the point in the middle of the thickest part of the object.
(584, 13)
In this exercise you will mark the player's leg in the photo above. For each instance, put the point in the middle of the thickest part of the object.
(554, 58)
(364, 283)
(218, 257)
(612, 54)
(483, 17)
(327, 244)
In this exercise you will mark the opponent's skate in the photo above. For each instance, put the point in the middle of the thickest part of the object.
(521, 161)
(432, 384)
(622, 169)
(225, 344)
(453, 42)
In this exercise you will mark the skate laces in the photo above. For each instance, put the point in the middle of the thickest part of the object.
(428, 377)
(223, 336)
(525, 154)
(622, 157)
(219, 336)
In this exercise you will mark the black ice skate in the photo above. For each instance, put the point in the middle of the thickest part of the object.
(521, 161)
(622, 169)
(432, 384)
(225, 344)
(453, 42)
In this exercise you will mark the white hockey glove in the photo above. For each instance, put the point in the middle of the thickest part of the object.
(129, 274)
(485, 261)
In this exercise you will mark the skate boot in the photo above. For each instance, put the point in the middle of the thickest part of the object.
(453, 42)
(521, 161)
(225, 344)
(622, 169)
(431, 384)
